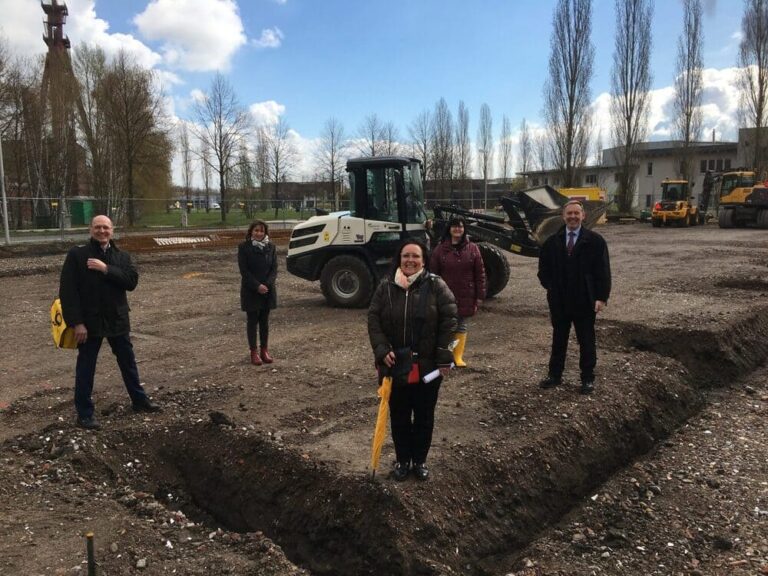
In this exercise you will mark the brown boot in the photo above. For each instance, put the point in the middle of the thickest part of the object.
(255, 358)
(266, 358)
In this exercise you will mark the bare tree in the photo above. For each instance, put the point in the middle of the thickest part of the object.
(390, 140)
(505, 149)
(261, 159)
(282, 156)
(485, 148)
(329, 156)
(566, 91)
(463, 148)
(753, 76)
(420, 132)
(186, 164)
(223, 126)
(205, 173)
(90, 67)
(133, 110)
(370, 134)
(525, 147)
(541, 150)
(442, 148)
(630, 85)
(689, 85)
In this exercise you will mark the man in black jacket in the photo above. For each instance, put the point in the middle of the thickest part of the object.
(576, 272)
(92, 288)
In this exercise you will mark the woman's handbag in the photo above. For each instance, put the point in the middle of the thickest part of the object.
(403, 362)
(63, 335)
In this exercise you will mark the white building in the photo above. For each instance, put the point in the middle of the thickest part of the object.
(656, 161)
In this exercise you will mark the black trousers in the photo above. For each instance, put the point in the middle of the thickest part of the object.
(260, 319)
(412, 419)
(85, 370)
(585, 334)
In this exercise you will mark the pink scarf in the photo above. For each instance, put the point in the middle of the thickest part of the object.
(405, 281)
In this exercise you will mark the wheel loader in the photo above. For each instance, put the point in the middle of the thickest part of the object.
(676, 206)
(349, 251)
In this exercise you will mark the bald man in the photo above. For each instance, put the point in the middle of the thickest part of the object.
(92, 288)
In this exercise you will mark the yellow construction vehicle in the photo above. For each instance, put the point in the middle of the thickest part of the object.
(743, 200)
(676, 205)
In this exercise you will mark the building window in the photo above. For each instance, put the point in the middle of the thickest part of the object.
(719, 164)
(703, 166)
(650, 168)
(711, 166)
(534, 182)
(727, 163)
(590, 179)
(546, 181)
(648, 200)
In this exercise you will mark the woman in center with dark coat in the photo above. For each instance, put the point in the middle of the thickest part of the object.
(459, 262)
(257, 260)
(395, 323)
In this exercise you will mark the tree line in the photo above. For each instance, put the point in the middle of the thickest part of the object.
(104, 122)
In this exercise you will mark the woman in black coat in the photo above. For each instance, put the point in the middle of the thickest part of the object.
(258, 270)
(411, 321)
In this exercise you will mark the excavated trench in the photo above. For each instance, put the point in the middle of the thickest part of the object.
(347, 525)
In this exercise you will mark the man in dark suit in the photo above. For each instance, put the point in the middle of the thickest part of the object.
(92, 288)
(576, 272)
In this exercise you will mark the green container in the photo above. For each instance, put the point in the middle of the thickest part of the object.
(80, 211)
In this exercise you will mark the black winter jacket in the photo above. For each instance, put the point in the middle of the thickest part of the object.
(390, 321)
(95, 299)
(257, 266)
(591, 271)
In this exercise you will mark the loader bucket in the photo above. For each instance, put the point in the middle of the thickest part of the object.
(540, 211)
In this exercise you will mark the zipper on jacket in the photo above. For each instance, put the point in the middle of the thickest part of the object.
(405, 317)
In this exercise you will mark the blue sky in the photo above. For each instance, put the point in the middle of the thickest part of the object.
(308, 60)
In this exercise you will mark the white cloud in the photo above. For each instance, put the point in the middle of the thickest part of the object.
(266, 113)
(270, 38)
(197, 95)
(186, 43)
(719, 104)
(281, 1)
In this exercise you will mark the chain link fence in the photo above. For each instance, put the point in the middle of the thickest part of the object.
(30, 218)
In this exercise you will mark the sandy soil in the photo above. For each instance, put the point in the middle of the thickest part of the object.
(264, 470)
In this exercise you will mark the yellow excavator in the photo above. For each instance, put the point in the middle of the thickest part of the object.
(743, 200)
(676, 205)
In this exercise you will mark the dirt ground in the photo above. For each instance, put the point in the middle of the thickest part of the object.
(264, 470)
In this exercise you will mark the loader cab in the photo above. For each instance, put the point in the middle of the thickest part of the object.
(388, 195)
(387, 189)
(675, 190)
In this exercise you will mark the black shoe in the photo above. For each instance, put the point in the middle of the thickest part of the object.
(400, 471)
(421, 471)
(587, 386)
(146, 405)
(89, 423)
(550, 382)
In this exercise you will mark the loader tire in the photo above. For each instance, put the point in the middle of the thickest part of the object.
(347, 282)
(496, 269)
(656, 222)
(762, 218)
(725, 218)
